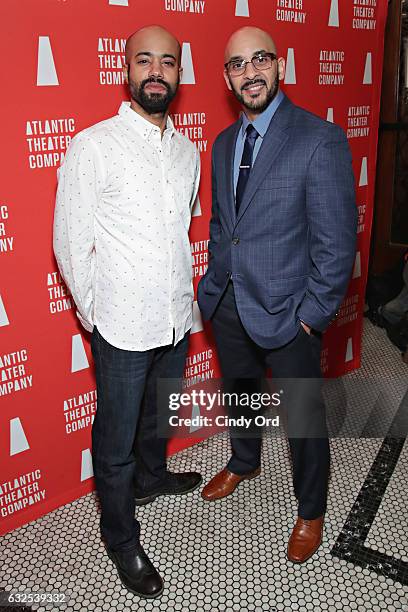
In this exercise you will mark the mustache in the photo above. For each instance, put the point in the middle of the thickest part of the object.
(154, 80)
(252, 83)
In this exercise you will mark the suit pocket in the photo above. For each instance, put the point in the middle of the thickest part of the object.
(280, 298)
(280, 182)
(286, 286)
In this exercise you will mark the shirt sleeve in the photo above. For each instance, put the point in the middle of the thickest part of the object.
(196, 179)
(80, 185)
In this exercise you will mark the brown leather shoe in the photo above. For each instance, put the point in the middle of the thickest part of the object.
(305, 539)
(225, 483)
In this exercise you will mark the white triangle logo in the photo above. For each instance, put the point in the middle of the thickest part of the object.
(195, 413)
(3, 315)
(18, 440)
(368, 70)
(188, 77)
(79, 359)
(86, 465)
(290, 74)
(197, 207)
(357, 265)
(46, 72)
(363, 173)
(334, 14)
(241, 8)
(197, 320)
(119, 2)
(349, 350)
(330, 115)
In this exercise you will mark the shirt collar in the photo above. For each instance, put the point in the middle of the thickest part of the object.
(142, 125)
(261, 123)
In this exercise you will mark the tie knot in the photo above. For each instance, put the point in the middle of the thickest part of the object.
(251, 133)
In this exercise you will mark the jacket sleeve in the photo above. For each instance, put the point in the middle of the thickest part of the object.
(332, 221)
(215, 225)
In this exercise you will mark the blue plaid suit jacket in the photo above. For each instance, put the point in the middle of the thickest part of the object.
(291, 249)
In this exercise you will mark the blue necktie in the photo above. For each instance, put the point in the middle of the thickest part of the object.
(246, 164)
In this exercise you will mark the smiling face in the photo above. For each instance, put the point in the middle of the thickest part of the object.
(153, 69)
(255, 88)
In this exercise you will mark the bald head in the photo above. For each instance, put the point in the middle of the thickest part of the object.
(151, 38)
(253, 69)
(248, 39)
(152, 71)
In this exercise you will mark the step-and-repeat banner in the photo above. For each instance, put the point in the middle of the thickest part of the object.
(61, 71)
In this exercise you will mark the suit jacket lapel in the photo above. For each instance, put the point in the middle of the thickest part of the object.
(275, 139)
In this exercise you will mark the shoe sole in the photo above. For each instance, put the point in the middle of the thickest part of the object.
(127, 587)
(142, 501)
(307, 558)
(251, 477)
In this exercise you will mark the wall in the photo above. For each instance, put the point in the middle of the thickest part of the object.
(61, 72)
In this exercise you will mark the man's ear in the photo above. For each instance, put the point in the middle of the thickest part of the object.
(281, 68)
(226, 79)
(126, 69)
(181, 72)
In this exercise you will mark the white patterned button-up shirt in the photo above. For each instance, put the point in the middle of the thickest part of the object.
(121, 224)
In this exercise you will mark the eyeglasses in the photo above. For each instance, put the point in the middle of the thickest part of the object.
(262, 61)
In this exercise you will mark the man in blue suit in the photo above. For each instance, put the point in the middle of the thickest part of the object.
(282, 246)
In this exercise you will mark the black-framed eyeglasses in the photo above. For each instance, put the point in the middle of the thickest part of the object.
(262, 61)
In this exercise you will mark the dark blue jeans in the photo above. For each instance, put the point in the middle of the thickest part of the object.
(126, 450)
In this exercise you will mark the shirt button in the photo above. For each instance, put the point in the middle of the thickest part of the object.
(235, 241)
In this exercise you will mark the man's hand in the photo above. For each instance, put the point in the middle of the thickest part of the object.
(306, 327)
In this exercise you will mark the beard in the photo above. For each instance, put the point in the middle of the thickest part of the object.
(152, 103)
(257, 104)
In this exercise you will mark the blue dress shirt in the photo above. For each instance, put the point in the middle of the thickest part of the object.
(261, 125)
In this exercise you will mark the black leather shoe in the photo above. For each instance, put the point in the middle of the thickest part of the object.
(175, 484)
(136, 572)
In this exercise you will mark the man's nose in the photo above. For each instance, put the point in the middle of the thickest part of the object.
(156, 68)
(250, 72)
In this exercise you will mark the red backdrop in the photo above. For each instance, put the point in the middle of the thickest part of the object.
(61, 72)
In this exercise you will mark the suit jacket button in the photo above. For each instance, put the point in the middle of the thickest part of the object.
(235, 241)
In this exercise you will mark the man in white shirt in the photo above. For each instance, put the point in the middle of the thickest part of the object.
(123, 211)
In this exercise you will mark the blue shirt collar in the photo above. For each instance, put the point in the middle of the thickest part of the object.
(263, 120)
